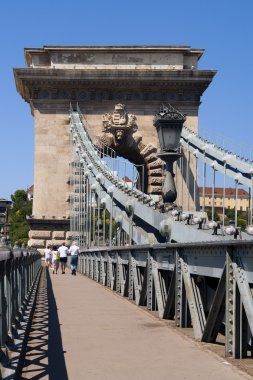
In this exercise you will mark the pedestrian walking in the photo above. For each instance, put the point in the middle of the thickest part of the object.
(74, 252)
(47, 253)
(63, 250)
(55, 259)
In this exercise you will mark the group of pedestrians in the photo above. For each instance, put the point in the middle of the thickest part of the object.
(54, 256)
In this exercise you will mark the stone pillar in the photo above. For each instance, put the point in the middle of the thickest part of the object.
(97, 77)
(49, 223)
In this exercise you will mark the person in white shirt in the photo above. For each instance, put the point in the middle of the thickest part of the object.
(63, 251)
(47, 253)
(74, 252)
(55, 259)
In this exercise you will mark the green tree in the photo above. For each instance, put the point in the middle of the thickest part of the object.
(216, 215)
(241, 217)
(230, 213)
(21, 208)
(107, 224)
(242, 223)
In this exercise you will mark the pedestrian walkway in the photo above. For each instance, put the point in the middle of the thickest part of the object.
(83, 331)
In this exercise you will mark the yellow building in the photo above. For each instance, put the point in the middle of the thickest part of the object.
(243, 198)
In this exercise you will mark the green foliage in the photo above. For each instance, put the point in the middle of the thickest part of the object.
(230, 213)
(242, 223)
(107, 225)
(21, 208)
(241, 217)
(216, 215)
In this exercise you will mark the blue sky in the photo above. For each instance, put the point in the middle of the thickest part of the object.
(223, 28)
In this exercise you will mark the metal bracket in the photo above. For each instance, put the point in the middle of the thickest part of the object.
(157, 288)
(143, 292)
(194, 301)
(217, 311)
(170, 301)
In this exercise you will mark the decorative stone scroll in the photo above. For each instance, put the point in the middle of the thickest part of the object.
(120, 134)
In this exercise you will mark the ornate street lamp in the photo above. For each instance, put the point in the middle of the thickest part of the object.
(169, 123)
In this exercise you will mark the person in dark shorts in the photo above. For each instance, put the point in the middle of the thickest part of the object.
(63, 250)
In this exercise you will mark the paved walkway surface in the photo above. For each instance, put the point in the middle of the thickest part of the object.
(83, 331)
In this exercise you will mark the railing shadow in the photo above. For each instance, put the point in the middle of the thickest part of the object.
(45, 355)
(57, 365)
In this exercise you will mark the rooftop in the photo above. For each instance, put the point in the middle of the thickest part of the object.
(229, 191)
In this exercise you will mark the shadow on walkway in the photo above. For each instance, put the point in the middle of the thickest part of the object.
(44, 355)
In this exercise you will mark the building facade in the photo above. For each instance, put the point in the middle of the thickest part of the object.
(243, 198)
(5, 205)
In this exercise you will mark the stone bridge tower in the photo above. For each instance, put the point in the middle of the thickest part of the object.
(98, 78)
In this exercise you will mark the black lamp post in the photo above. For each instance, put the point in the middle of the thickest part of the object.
(169, 123)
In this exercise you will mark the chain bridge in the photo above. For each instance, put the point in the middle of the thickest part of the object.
(201, 278)
(134, 210)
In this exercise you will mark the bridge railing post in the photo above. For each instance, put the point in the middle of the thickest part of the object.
(102, 270)
(83, 263)
(87, 264)
(150, 285)
(19, 287)
(239, 307)
(117, 273)
(22, 290)
(130, 276)
(180, 296)
(8, 279)
(92, 266)
(3, 313)
(108, 270)
(79, 264)
(14, 288)
(95, 267)
(82, 259)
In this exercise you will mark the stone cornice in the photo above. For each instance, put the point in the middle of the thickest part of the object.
(80, 74)
(28, 79)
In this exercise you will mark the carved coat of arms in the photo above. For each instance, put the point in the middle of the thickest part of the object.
(119, 131)
(119, 120)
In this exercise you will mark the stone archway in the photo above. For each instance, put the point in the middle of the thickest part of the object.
(120, 133)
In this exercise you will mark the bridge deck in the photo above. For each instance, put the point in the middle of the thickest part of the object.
(82, 330)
